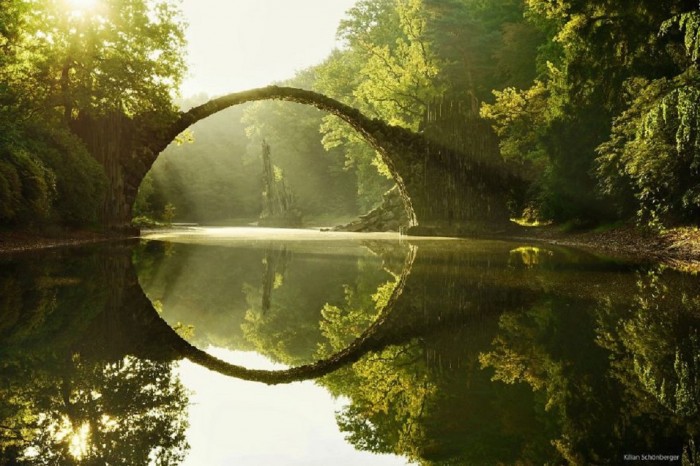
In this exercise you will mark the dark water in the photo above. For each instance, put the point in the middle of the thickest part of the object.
(431, 351)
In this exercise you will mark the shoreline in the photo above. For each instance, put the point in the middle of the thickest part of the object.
(26, 241)
(678, 248)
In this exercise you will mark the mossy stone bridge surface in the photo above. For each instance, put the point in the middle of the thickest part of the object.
(445, 191)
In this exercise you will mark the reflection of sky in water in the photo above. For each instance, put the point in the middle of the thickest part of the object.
(238, 422)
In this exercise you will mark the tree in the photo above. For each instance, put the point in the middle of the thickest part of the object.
(390, 38)
(589, 40)
(120, 56)
(482, 45)
(92, 73)
(318, 178)
(650, 164)
(45, 172)
(385, 41)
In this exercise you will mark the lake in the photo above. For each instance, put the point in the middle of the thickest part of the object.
(257, 346)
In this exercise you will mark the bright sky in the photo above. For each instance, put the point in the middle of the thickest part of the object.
(237, 422)
(236, 45)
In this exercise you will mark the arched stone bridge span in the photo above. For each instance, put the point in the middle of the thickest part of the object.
(375, 132)
(444, 191)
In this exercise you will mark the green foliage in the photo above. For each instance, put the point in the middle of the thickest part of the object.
(207, 179)
(689, 23)
(168, 213)
(26, 187)
(372, 174)
(390, 40)
(517, 116)
(482, 45)
(79, 179)
(317, 177)
(124, 55)
(387, 69)
(652, 160)
(557, 129)
(58, 65)
(143, 207)
(651, 164)
(47, 175)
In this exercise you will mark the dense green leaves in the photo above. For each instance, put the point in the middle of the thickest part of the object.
(47, 175)
(124, 55)
(654, 153)
(689, 23)
(612, 62)
(386, 41)
(61, 63)
(593, 102)
(651, 163)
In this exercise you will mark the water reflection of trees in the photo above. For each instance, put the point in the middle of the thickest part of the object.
(655, 345)
(425, 397)
(79, 412)
(526, 364)
(245, 297)
(388, 390)
(66, 396)
(497, 355)
(284, 309)
(404, 396)
(624, 377)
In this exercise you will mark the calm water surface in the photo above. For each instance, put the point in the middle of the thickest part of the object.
(410, 351)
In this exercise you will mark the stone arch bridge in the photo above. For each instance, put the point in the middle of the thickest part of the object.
(445, 191)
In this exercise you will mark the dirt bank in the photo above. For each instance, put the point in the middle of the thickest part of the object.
(679, 247)
(18, 241)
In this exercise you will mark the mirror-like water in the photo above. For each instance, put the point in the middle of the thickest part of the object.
(431, 351)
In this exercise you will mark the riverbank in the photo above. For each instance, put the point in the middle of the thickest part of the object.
(679, 248)
(19, 241)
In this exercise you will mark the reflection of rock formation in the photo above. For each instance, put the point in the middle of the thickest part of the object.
(275, 266)
(368, 341)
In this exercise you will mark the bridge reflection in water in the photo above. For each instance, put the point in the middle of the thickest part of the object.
(468, 351)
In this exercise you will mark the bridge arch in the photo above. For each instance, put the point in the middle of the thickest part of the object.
(450, 191)
(163, 342)
(379, 135)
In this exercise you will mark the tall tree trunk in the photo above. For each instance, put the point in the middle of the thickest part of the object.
(109, 139)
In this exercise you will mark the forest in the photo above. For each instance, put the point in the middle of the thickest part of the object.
(593, 104)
